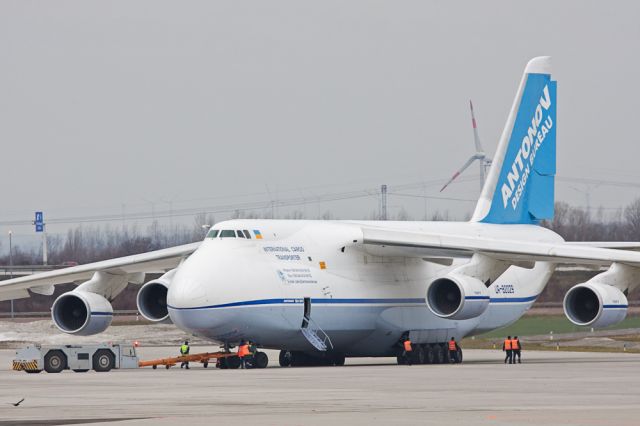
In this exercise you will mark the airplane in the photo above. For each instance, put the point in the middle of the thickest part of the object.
(320, 291)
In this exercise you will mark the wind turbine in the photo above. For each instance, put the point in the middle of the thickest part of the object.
(480, 156)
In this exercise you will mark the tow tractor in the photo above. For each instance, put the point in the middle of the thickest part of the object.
(79, 358)
(106, 356)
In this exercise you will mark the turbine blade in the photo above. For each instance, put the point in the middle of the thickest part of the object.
(462, 169)
(476, 138)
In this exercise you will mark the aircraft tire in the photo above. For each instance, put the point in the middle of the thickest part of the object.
(459, 356)
(260, 360)
(429, 354)
(438, 351)
(233, 363)
(339, 360)
(284, 358)
(401, 360)
(417, 355)
(55, 361)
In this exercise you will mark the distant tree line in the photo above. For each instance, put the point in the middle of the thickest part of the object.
(84, 244)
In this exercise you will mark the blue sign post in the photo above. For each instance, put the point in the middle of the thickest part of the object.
(39, 222)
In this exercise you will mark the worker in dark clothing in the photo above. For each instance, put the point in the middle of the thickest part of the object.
(516, 346)
(407, 350)
(453, 350)
(184, 350)
(506, 347)
(243, 353)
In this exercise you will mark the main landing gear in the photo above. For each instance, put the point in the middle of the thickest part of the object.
(303, 359)
(431, 353)
(258, 360)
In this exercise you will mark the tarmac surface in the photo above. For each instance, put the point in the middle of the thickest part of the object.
(550, 388)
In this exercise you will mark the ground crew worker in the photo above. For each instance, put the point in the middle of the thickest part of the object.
(184, 350)
(516, 347)
(453, 350)
(407, 350)
(243, 352)
(506, 347)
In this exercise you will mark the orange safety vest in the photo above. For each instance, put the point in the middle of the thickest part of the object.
(507, 344)
(243, 351)
(515, 344)
(452, 345)
(407, 346)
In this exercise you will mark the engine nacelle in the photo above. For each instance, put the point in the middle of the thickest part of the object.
(152, 299)
(595, 304)
(82, 313)
(457, 297)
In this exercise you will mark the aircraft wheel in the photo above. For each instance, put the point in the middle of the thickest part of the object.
(103, 360)
(205, 364)
(285, 359)
(438, 351)
(429, 354)
(154, 367)
(417, 355)
(459, 356)
(233, 362)
(401, 360)
(260, 360)
(55, 361)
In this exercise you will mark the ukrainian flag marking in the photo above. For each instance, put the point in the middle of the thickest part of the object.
(257, 234)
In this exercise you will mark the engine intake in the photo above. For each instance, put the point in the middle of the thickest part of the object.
(152, 299)
(81, 313)
(595, 304)
(458, 297)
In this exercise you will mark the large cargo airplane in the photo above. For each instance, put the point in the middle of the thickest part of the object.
(321, 291)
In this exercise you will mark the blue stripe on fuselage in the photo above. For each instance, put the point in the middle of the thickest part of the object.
(349, 301)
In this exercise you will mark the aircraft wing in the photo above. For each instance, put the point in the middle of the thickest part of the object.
(393, 242)
(158, 260)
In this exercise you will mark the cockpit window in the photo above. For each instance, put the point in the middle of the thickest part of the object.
(240, 234)
(247, 235)
(227, 233)
(213, 233)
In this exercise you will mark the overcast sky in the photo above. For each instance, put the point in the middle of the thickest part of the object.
(124, 106)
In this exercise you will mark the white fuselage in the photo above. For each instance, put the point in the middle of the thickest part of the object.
(258, 289)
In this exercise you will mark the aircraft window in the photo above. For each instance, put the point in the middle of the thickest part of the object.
(240, 234)
(226, 233)
(213, 233)
(247, 234)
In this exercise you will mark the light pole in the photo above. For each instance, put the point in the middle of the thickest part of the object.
(11, 268)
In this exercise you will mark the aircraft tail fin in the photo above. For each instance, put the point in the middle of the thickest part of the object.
(520, 184)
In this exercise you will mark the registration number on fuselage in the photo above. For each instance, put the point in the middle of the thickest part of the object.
(505, 289)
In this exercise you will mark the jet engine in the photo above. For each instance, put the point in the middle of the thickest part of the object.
(152, 299)
(457, 297)
(595, 304)
(82, 313)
